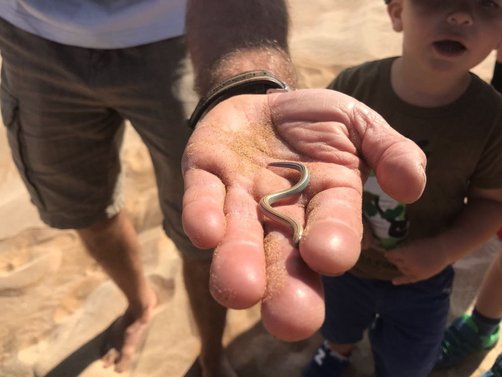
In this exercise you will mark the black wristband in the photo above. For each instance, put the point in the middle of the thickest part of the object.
(253, 82)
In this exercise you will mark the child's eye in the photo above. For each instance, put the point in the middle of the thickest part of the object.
(489, 3)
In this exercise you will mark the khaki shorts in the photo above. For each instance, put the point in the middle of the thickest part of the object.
(64, 108)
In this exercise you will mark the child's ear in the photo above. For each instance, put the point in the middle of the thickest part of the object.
(394, 9)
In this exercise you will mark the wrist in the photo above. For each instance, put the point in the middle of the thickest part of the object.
(270, 58)
(251, 82)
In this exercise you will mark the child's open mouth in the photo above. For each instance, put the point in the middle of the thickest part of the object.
(449, 47)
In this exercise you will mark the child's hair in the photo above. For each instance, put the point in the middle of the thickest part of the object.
(387, 1)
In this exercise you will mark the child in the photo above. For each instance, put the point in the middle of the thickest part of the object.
(400, 287)
(481, 329)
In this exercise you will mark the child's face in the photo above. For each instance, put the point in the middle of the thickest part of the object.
(448, 34)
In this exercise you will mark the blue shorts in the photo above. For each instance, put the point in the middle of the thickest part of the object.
(406, 323)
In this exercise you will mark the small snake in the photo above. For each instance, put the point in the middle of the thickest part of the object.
(267, 201)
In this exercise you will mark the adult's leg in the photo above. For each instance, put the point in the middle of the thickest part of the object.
(113, 243)
(65, 143)
(161, 122)
(210, 318)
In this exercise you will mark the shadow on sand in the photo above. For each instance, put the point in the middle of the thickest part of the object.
(81, 358)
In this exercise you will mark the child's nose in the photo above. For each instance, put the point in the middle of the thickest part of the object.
(460, 17)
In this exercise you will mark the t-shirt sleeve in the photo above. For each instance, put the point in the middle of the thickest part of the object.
(360, 81)
(340, 83)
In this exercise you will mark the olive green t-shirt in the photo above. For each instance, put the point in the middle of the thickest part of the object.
(463, 145)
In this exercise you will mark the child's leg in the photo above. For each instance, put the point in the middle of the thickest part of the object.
(487, 311)
(350, 304)
(489, 304)
(407, 334)
(469, 334)
(489, 301)
(349, 311)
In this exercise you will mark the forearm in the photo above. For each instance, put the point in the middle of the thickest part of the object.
(227, 37)
(480, 220)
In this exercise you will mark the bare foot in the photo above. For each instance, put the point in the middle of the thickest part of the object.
(126, 335)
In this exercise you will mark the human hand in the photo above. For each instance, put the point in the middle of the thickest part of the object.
(418, 260)
(226, 174)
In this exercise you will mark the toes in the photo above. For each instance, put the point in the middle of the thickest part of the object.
(110, 358)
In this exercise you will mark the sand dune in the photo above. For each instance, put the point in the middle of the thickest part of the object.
(56, 302)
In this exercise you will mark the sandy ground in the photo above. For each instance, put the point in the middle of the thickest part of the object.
(55, 302)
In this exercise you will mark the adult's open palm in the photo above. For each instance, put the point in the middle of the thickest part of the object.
(226, 172)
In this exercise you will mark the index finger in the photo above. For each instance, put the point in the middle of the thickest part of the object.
(203, 201)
